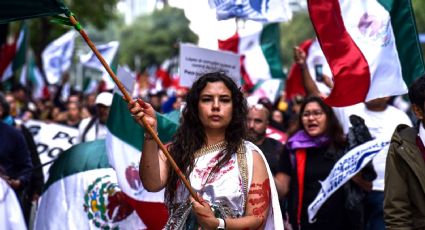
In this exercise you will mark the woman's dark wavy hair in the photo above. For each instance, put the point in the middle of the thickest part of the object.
(190, 135)
(333, 128)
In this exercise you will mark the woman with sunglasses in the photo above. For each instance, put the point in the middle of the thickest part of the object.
(233, 181)
(313, 151)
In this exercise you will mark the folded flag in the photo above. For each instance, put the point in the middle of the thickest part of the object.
(371, 46)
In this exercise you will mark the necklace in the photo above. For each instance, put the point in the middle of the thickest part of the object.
(210, 148)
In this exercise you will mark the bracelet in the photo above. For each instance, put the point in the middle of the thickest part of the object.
(147, 136)
(221, 224)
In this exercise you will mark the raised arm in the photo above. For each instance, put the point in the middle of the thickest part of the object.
(257, 208)
(153, 167)
(308, 83)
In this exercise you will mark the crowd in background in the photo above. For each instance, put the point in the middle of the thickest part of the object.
(295, 117)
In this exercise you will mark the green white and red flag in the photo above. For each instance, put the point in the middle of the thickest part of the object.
(124, 142)
(371, 46)
(13, 54)
(259, 47)
(31, 76)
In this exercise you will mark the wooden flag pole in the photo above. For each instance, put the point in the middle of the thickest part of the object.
(128, 98)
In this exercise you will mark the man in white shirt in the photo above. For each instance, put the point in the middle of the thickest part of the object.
(93, 128)
(381, 120)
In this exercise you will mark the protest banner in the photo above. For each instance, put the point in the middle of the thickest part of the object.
(51, 140)
(344, 169)
(196, 61)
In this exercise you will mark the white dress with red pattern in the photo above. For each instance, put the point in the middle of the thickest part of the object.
(225, 190)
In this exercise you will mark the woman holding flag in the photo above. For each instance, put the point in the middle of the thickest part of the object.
(233, 183)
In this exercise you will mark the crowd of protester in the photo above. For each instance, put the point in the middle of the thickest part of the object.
(318, 136)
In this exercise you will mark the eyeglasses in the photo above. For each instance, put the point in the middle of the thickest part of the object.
(314, 113)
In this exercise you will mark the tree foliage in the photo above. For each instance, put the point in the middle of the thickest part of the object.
(97, 13)
(155, 37)
(293, 33)
(419, 10)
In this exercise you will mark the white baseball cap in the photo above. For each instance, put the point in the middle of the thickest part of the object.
(104, 98)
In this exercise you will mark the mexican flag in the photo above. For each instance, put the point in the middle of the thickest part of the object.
(371, 46)
(32, 76)
(259, 48)
(13, 53)
(82, 193)
(25, 9)
(124, 142)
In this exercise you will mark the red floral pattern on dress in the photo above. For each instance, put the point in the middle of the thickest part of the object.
(204, 173)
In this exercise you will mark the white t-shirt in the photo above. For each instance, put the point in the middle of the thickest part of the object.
(381, 125)
(96, 131)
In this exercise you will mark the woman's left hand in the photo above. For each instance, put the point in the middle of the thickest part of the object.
(204, 214)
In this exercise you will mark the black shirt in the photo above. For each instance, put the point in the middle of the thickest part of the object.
(332, 214)
(272, 150)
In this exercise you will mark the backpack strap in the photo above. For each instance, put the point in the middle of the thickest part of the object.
(87, 128)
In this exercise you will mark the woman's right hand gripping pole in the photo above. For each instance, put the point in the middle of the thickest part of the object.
(140, 109)
(153, 168)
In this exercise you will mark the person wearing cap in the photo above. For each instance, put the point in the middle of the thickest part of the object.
(94, 127)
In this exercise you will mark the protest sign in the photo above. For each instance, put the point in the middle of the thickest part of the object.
(51, 140)
(196, 61)
(344, 169)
